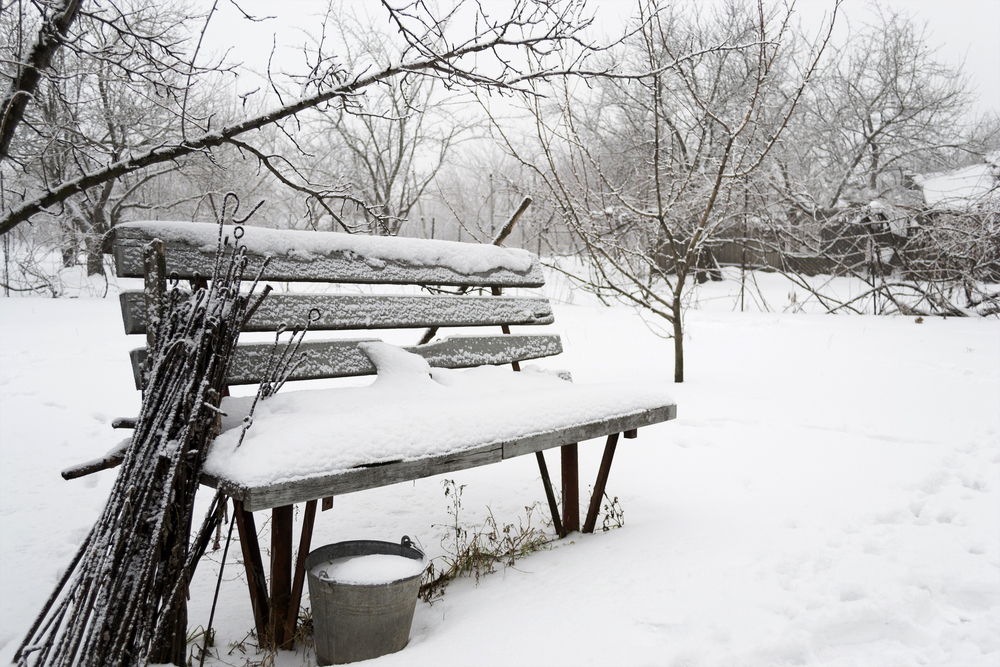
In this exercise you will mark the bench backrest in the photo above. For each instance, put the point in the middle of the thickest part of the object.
(332, 259)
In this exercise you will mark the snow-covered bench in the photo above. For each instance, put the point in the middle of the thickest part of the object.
(420, 417)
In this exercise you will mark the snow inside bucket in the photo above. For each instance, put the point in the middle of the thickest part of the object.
(370, 569)
(363, 595)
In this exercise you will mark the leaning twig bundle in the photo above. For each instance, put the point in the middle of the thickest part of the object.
(123, 599)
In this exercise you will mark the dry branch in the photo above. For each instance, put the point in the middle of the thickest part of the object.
(123, 601)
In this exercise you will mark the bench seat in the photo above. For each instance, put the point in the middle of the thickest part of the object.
(412, 423)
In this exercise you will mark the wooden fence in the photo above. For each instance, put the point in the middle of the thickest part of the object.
(754, 255)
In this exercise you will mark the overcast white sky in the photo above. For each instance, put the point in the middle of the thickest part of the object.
(966, 31)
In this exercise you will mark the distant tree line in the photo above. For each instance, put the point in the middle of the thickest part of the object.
(699, 131)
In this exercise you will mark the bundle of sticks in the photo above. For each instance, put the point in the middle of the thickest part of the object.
(122, 601)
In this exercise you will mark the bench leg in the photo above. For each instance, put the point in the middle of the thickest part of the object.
(570, 488)
(308, 519)
(281, 574)
(550, 494)
(256, 580)
(601, 483)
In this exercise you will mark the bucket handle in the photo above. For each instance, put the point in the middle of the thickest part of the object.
(407, 543)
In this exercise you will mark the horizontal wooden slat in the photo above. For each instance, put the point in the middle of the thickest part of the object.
(470, 351)
(125, 243)
(352, 311)
(359, 479)
(343, 358)
(582, 432)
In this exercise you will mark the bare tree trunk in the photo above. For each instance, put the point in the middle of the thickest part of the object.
(68, 254)
(50, 37)
(678, 338)
(95, 259)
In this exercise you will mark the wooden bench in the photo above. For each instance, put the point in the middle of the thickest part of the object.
(327, 270)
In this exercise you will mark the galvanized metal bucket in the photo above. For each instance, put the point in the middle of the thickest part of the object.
(361, 621)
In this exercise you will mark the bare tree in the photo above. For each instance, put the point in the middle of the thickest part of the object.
(477, 193)
(432, 47)
(364, 164)
(885, 109)
(884, 106)
(51, 35)
(645, 170)
(120, 86)
(398, 137)
(387, 146)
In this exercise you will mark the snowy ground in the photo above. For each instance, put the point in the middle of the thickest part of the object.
(829, 495)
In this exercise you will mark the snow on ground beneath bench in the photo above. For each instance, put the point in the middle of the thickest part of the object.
(467, 258)
(409, 412)
(828, 495)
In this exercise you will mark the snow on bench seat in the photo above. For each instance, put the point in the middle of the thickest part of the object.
(412, 422)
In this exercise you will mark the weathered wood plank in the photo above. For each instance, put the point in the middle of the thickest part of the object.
(281, 575)
(153, 293)
(589, 431)
(308, 520)
(359, 479)
(550, 495)
(470, 351)
(339, 266)
(602, 481)
(254, 565)
(343, 358)
(112, 459)
(569, 459)
(341, 312)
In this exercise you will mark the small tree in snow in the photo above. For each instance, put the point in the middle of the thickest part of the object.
(644, 163)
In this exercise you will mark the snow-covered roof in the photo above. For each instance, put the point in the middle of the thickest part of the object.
(965, 188)
(897, 220)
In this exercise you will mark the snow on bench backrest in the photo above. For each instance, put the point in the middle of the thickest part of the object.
(327, 256)
(345, 258)
(343, 358)
(344, 312)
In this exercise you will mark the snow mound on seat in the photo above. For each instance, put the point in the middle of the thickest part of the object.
(394, 364)
(409, 412)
